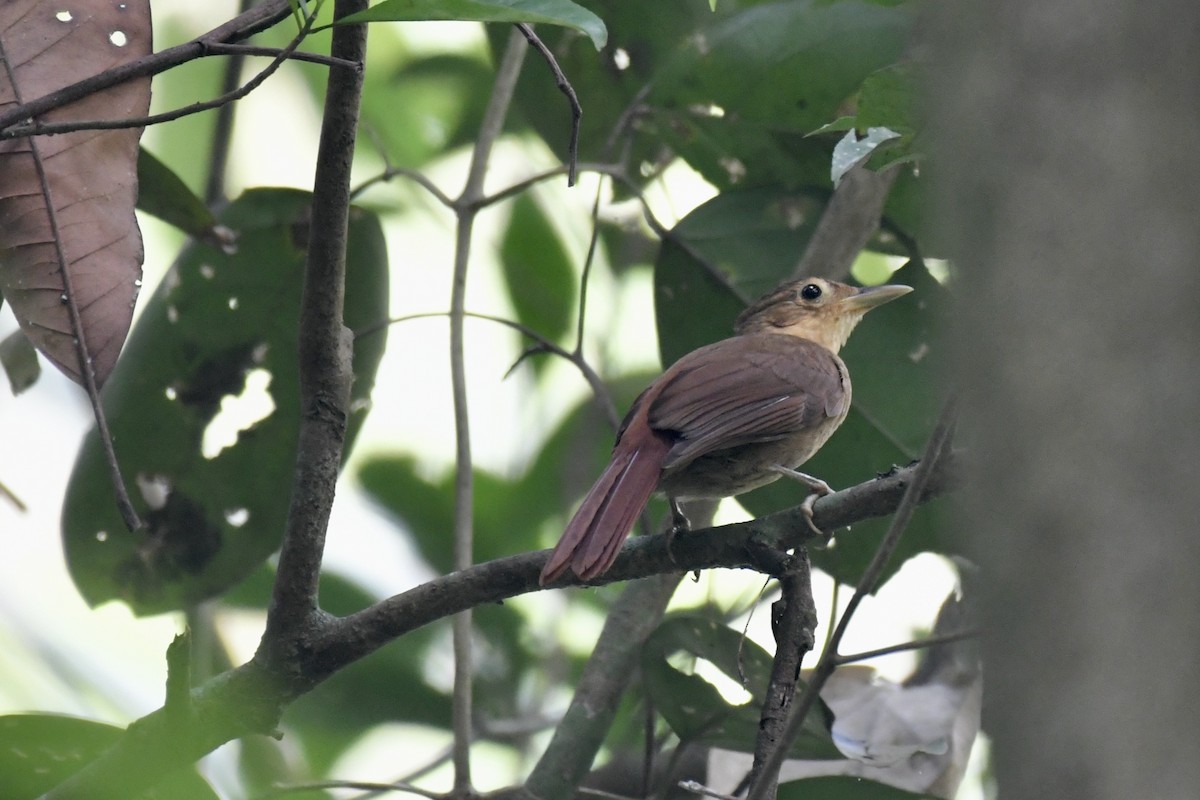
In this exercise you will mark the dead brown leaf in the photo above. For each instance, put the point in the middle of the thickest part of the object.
(66, 201)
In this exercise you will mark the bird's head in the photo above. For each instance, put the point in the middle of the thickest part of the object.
(817, 309)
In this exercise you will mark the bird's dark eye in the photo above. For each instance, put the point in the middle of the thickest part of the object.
(810, 292)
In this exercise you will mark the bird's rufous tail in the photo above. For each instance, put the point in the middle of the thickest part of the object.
(593, 537)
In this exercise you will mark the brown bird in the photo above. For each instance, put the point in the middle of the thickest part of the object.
(727, 418)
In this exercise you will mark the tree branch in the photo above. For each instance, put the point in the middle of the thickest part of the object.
(240, 27)
(221, 101)
(570, 753)
(325, 347)
(923, 476)
(564, 86)
(466, 210)
(850, 219)
(250, 699)
(793, 621)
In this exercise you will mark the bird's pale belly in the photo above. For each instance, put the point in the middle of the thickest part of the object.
(730, 472)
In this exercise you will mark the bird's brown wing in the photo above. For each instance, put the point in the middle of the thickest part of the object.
(753, 388)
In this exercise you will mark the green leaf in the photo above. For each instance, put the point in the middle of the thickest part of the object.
(20, 362)
(843, 788)
(887, 99)
(787, 65)
(40, 751)
(537, 270)
(725, 253)
(163, 194)
(550, 12)
(694, 708)
(422, 109)
(219, 323)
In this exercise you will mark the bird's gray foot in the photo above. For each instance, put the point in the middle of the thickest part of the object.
(819, 489)
(679, 524)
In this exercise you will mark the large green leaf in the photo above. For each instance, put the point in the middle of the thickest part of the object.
(217, 321)
(537, 270)
(693, 707)
(549, 12)
(39, 751)
(420, 109)
(164, 194)
(785, 65)
(726, 252)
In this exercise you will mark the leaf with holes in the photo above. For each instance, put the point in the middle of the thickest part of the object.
(205, 408)
(67, 227)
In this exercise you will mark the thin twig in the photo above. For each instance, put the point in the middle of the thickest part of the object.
(86, 369)
(8, 495)
(240, 27)
(490, 129)
(222, 135)
(521, 185)
(698, 788)
(39, 128)
(594, 381)
(919, 644)
(564, 86)
(588, 262)
(237, 50)
(925, 470)
(404, 172)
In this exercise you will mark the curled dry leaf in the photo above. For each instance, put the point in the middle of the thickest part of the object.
(67, 226)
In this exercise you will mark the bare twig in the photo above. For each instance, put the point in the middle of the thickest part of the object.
(594, 381)
(416, 176)
(258, 18)
(218, 154)
(8, 495)
(703, 791)
(324, 354)
(588, 262)
(564, 86)
(919, 644)
(466, 211)
(39, 128)
(763, 786)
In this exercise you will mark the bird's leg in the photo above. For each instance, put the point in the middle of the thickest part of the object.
(819, 489)
(679, 524)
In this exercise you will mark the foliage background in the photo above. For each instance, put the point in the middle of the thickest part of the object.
(106, 665)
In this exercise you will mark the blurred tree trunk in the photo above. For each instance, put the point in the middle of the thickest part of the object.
(1071, 202)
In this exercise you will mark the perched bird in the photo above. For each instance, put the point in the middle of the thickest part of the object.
(728, 417)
